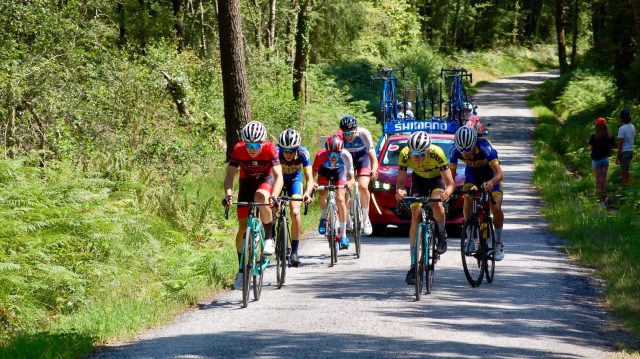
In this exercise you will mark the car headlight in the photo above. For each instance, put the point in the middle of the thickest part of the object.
(381, 186)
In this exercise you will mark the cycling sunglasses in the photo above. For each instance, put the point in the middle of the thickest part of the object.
(418, 154)
(334, 155)
(289, 150)
(253, 146)
(350, 133)
(466, 150)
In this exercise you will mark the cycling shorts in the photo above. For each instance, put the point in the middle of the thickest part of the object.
(475, 178)
(338, 176)
(248, 189)
(362, 164)
(423, 187)
(293, 187)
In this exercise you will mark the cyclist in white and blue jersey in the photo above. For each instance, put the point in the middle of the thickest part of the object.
(296, 164)
(358, 142)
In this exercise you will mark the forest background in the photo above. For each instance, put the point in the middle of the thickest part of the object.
(114, 135)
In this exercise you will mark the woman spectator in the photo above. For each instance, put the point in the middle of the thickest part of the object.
(601, 143)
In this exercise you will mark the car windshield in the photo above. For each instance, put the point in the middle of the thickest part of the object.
(390, 157)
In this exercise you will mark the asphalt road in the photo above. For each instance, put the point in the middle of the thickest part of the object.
(540, 304)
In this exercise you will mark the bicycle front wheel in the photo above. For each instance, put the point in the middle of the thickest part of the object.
(419, 252)
(331, 236)
(259, 261)
(282, 246)
(247, 254)
(472, 258)
(356, 212)
(490, 245)
(430, 253)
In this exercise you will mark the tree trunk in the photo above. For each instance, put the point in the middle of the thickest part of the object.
(574, 29)
(203, 36)
(237, 109)
(258, 24)
(597, 23)
(562, 45)
(302, 51)
(271, 40)
(289, 45)
(516, 23)
(122, 30)
(42, 138)
(636, 17)
(178, 15)
(143, 25)
(454, 29)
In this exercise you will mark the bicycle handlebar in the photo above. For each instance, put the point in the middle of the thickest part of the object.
(329, 187)
(243, 204)
(480, 191)
(291, 199)
(421, 199)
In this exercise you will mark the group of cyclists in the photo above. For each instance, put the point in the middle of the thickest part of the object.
(267, 170)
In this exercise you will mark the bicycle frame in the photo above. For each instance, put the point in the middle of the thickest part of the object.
(388, 102)
(332, 220)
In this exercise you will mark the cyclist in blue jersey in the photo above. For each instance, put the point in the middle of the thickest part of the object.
(483, 169)
(358, 142)
(296, 164)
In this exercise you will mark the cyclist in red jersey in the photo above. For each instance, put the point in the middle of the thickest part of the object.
(260, 180)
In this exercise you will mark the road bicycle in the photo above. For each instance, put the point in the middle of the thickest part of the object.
(388, 103)
(332, 221)
(477, 239)
(283, 238)
(424, 250)
(458, 97)
(254, 262)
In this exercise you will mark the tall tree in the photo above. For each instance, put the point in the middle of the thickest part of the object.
(178, 14)
(237, 109)
(562, 42)
(302, 51)
(574, 31)
(271, 35)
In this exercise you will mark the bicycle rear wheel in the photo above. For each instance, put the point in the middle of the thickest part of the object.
(282, 246)
(356, 212)
(431, 258)
(490, 245)
(259, 266)
(247, 255)
(419, 253)
(472, 258)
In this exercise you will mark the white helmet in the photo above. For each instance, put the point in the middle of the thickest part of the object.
(465, 138)
(419, 141)
(254, 131)
(289, 138)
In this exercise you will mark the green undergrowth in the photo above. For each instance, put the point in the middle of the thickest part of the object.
(607, 240)
(82, 263)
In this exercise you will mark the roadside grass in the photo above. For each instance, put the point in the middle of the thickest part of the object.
(608, 241)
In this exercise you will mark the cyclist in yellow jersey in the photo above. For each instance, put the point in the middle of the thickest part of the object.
(431, 177)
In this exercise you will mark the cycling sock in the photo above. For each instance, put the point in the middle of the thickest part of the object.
(498, 235)
(324, 214)
(413, 258)
(294, 246)
(268, 230)
(343, 229)
(365, 212)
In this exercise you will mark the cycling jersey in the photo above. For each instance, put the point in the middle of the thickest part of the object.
(293, 169)
(332, 172)
(361, 144)
(483, 154)
(255, 168)
(430, 167)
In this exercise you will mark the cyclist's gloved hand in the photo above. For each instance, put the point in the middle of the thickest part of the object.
(274, 201)
(400, 194)
(226, 201)
(306, 199)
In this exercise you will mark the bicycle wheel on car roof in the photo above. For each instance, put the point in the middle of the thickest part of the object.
(472, 258)
(282, 247)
